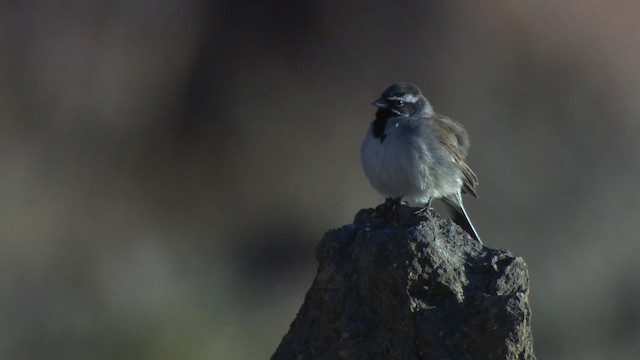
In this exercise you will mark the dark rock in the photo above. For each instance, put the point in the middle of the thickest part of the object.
(396, 285)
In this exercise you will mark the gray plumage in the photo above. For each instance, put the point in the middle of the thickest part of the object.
(414, 154)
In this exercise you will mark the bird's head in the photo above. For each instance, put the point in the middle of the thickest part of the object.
(404, 99)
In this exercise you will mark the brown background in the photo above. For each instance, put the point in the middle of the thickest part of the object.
(169, 166)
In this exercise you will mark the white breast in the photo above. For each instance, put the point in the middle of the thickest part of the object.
(398, 167)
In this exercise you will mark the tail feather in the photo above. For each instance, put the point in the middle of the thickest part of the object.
(460, 216)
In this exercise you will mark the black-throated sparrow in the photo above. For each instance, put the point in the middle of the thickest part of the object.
(414, 154)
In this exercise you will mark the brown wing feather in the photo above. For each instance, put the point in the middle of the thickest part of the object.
(455, 140)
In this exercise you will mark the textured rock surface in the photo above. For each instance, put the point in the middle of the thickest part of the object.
(395, 285)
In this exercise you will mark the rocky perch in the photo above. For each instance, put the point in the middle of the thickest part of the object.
(399, 285)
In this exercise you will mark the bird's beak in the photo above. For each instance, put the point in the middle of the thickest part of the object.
(381, 103)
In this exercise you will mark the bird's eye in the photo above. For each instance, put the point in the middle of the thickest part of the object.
(398, 103)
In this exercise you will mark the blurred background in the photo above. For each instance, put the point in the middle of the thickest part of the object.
(168, 167)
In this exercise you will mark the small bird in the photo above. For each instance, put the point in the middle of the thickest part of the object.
(411, 153)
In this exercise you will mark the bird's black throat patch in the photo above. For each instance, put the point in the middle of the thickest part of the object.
(382, 115)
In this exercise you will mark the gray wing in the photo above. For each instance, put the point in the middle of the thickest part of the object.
(455, 140)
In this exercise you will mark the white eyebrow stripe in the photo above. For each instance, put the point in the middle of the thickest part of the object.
(409, 98)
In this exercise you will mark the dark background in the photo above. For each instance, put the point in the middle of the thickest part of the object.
(169, 166)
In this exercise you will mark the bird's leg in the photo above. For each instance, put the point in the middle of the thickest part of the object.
(390, 210)
(428, 206)
(392, 204)
(397, 203)
(425, 209)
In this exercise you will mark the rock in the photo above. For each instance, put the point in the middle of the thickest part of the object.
(399, 285)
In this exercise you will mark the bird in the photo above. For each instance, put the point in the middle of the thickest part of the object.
(411, 153)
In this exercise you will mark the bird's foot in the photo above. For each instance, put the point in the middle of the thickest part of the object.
(425, 209)
(391, 210)
(391, 205)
